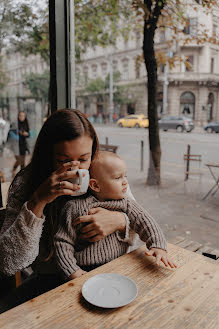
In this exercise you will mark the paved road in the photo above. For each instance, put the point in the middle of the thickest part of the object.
(173, 144)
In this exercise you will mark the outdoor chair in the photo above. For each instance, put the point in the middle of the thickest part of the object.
(192, 168)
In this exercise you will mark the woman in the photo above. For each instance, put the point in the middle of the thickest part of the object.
(23, 133)
(66, 141)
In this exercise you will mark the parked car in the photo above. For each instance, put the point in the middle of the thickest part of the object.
(179, 123)
(212, 127)
(134, 120)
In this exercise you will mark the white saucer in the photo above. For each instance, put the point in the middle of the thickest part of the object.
(109, 290)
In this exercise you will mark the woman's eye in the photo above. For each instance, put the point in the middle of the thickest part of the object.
(83, 160)
(62, 161)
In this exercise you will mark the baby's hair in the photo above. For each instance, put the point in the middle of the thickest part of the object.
(99, 159)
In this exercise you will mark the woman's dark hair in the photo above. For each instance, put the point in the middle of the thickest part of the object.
(62, 125)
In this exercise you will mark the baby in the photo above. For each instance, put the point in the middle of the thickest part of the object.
(108, 187)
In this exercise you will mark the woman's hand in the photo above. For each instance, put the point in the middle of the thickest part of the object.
(56, 185)
(161, 256)
(100, 223)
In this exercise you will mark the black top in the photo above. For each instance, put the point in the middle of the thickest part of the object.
(23, 126)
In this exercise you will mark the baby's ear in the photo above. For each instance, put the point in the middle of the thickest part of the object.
(94, 185)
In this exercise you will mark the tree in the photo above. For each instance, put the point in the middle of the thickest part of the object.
(97, 22)
(165, 14)
(38, 84)
(99, 86)
(95, 86)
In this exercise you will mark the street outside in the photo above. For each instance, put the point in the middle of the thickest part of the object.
(177, 205)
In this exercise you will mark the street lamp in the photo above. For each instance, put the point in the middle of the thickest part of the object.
(111, 89)
(165, 84)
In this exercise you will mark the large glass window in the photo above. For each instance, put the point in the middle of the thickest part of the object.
(24, 72)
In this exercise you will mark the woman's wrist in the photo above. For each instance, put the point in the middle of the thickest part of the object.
(36, 206)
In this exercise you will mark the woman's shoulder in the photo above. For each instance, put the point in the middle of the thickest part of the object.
(21, 183)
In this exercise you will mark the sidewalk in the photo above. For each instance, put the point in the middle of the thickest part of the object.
(178, 207)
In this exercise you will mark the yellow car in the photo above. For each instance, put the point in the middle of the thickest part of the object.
(134, 120)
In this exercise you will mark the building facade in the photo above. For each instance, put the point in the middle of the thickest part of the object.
(191, 90)
(16, 96)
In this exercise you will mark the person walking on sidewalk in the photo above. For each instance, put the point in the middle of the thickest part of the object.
(23, 133)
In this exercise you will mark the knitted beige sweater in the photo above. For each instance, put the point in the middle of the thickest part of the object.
(22, 237)
(72, 254)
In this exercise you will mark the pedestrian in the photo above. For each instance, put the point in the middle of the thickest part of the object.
(23, 149)
(67, 141)
(114, 117)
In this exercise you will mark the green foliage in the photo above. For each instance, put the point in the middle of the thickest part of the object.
(122, 95)
(116, 78)
(100, 86)
(100, 22)
(38, 84)
(95, 86)
(97, 22)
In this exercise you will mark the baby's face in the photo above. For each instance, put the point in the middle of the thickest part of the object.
(112, 180)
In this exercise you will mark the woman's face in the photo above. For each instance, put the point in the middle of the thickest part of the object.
(79, 149)
(21, 116)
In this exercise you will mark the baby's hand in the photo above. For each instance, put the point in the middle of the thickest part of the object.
(161, 256)
(77, 274)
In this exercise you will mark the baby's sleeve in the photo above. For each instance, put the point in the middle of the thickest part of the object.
(129, 236)
(146, 227)
(64, 242)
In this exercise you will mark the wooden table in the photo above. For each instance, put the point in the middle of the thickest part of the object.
(187, 297)
(215, 187)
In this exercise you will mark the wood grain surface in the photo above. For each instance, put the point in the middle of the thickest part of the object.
(187, 297)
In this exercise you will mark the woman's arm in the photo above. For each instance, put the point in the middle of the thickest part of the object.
(102, 222)
(20, 233)
(23, 224)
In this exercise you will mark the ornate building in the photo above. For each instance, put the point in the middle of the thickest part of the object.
(191, 90)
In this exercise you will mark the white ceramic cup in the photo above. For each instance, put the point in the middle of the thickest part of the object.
(83, 180)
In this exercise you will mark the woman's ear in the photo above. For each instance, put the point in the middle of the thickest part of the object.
(94, 185)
